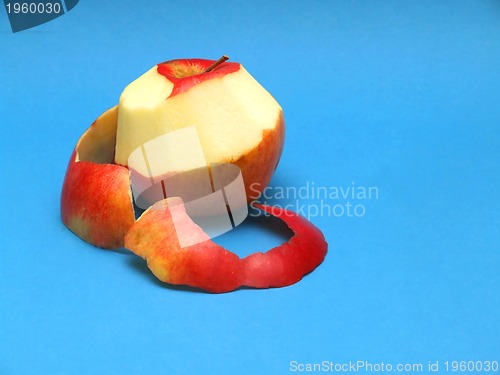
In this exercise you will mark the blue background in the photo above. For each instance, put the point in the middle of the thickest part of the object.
(398, 95)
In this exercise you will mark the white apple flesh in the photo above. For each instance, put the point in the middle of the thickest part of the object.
(236, 119)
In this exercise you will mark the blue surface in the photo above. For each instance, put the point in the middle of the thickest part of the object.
(399, 96)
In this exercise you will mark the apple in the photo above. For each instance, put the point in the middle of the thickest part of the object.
(96, 202)
(237, 120)
(209, 266)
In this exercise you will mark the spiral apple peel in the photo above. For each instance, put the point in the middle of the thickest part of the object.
(211, 267)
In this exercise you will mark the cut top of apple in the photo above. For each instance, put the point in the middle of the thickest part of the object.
(228, 107)
(185, 75)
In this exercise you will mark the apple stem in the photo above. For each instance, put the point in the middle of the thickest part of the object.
(216, 64)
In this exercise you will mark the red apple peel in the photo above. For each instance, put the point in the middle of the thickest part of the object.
(200, 70)
(96, 202)
(210, 267)
(288, 263)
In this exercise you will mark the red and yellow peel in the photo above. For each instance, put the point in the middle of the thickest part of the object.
(288, 263)
(209, 266)
(184, 76)
(96, 202)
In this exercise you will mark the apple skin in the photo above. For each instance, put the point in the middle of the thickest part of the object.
(288, 263)
(96, 200)
(193, 72)
(205, 265)
(258, 166)
(209, 266)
